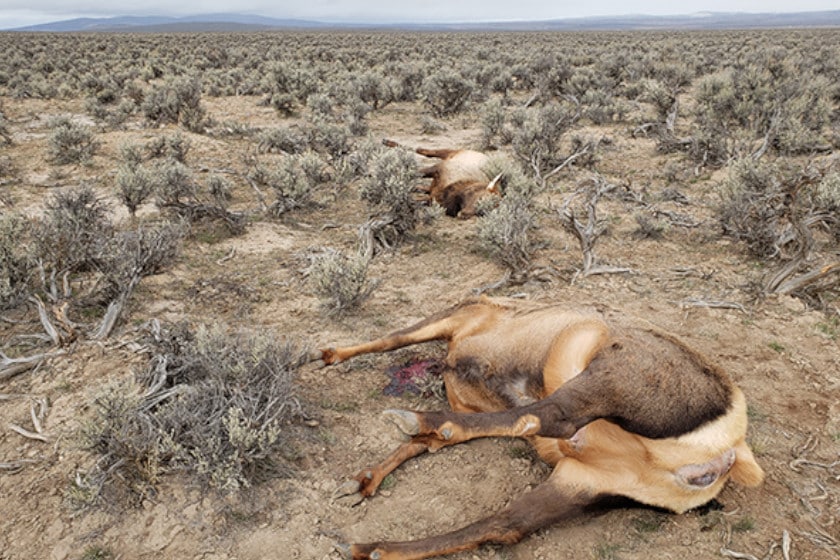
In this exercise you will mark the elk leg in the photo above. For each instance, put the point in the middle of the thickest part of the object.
(437, 327)
(546, 504)
(559, 416)
(436, 153)
(367, 481)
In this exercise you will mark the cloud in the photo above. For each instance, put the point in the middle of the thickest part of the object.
(25, 12)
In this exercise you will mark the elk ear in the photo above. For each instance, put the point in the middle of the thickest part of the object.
(745, 470)
(493, 186)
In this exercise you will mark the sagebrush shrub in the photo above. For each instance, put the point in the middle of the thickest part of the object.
(175, 147)
(215, 405)
(133, 254)
(374, 89)
(771, 102)
(752, 205)
(340, 281)
(536, 141)
(70, 142)
(5, 135)
(493, 119)
(135, 182)
(389, 190)
(73, 232)
(506, 232)
(176, 101)
(174, 183)
(329, 138)
(292, 188)
(446, 92)
(15, 264)
(281, 139)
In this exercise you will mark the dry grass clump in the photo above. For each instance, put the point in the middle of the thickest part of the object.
(218, 406)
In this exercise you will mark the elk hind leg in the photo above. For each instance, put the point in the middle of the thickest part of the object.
(546, 504)
(442, 153)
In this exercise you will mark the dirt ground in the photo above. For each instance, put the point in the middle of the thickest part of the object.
(783, 355)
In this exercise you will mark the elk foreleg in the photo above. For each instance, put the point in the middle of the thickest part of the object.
(367, 481)
(431, 329)
(546, 504)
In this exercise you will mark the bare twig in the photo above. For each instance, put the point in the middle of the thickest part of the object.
(26, 433)
(10, 367)
(586, 148)
(503, 281)
(374, 234)
(820, 538)
(39, 416)
(806, 279)
(786, 544)
(740, 555)
(588, 233)
(230, 255)
(692, 302)
(671, 119)
(46, 322)
(14, 466)
(260, 195)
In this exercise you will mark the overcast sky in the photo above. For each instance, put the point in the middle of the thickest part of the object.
(16, 13)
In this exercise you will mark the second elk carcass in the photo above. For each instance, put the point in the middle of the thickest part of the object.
(459, 179)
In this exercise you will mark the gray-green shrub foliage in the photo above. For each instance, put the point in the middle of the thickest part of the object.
(340, 281)
(70, 142)
(213, 404)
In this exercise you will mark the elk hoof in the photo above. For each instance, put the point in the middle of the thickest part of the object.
(316, 356)
(349, 493)
(344, 550)
(406, 421)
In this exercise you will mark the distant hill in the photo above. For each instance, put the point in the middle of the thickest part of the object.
(242, 22)
(203, 22)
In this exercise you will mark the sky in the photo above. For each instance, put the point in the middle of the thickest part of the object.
(17, 13)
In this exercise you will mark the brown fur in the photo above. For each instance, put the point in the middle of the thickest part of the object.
(617, 406)
(458, 179)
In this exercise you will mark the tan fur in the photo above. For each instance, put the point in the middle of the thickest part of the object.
(509, 353)
(459, 179)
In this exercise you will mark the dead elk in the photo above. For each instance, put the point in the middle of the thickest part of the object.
(459, 179)
(620, 408)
